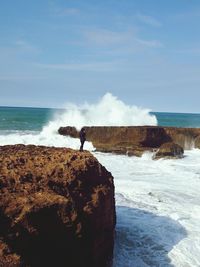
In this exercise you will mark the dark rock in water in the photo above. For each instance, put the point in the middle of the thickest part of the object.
(169, 150)
(57, 208)
(184, 137)
(197, 142)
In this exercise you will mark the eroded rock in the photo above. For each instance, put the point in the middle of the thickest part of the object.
(56, 208)
(197, 142)
(131, 140)
(169, 150)
(135, 140)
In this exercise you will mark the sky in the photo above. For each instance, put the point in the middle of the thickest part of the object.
(145, 52)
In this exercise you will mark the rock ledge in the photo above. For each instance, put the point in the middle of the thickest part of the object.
(135, 140)
(56, 208)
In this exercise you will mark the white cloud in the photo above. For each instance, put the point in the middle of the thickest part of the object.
(93, 66)
(150, 43)
(127, 41)
(70, 11)
(195, 13)
(25, 46)
(107, 37)
(148, 20)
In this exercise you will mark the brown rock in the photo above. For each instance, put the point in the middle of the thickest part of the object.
(8, 259)
(134, 140)
(56, 208)
(169, 150)
(183, 136)
(197, 142)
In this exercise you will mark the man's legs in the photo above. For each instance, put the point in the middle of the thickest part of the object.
(81, 147)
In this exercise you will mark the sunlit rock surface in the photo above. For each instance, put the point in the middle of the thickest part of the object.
(134, 140)
(57, 208)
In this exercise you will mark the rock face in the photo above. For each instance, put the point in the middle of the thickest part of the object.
(122, 140)
(169, 150)
(197, 142)
(57, 208)
(134, 140)
(184, 137)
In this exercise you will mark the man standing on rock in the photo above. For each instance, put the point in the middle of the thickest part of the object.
(82, 136)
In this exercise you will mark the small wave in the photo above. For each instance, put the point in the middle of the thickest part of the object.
(43, 139)
(18, 132)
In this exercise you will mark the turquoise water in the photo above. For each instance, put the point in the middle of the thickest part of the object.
(33, 119)
(24, 119)
(178, 119)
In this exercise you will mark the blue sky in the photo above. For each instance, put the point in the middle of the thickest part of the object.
(146, 52)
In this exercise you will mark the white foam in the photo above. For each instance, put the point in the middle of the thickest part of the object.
(44, 138)
(108, 111)
(158, 210)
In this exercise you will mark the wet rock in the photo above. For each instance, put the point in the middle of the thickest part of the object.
(169, 150)
(197, 142)
(184, 137)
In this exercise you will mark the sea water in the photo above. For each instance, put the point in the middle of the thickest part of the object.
(158, 202)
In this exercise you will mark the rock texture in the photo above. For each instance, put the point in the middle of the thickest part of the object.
(169, 150)
(197, 141)
(184, 137)
(56, 208)
(122, 140)
(134, 140)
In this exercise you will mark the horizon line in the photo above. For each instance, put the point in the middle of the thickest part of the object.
(36, 107)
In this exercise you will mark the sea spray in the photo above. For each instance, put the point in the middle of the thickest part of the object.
(45, 139)
(108, 111)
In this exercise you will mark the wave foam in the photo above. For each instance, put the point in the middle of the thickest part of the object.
(109, 111)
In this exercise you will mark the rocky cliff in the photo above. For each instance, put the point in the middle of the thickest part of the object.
(56, 208)
(134, 140)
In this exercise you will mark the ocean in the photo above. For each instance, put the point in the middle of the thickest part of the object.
(158, 202)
